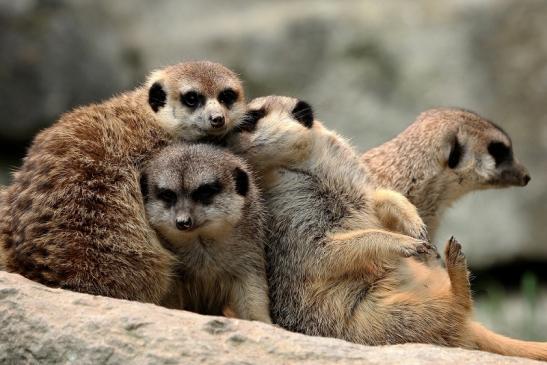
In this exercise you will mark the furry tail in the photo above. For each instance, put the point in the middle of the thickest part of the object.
(487, 340)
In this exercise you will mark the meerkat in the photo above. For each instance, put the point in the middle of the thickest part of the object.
(2, 205)
(445, 154)
(74, 216)
(334, 268)
(203, 203)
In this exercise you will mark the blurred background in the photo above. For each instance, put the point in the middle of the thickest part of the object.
(368, 67)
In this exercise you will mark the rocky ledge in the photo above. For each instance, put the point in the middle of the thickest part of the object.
(40, 325)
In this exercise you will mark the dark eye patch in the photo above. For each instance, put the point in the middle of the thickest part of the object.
(456, 154)
(303, 113)
(156, 97)
(500, 152)
(144, 186)
(241, 179)
(250, 119)
(227, 97)
(206, 192)
(192, 99)
(167, 196)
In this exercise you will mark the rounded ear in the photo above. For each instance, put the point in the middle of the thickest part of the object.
(241, 179)
(303, 113)
(144, 186)
(156, 96)
(456, 152)
(249, 120)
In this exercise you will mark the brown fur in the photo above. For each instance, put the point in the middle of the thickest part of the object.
(220, 260)
(415, 163)
(73, 217)
(334, 268)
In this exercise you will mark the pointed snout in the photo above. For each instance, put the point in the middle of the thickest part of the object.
(184, 223)
(215, 114)
(217, 121)
(515, 175)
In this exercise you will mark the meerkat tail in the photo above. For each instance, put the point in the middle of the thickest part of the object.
(487, 340)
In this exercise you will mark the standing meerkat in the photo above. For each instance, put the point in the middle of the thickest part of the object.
(73, 217)
(333, 269)
(207, 210)
(445, 154)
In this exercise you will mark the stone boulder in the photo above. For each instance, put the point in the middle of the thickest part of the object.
(40, 325)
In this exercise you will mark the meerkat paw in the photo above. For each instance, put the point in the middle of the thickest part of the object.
(456, 265)
(229, 313)
(415, 247)
(454, 256)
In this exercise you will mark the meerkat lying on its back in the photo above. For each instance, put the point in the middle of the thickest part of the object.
(333, 269)
(73, 216)
(207, 210)
(443, 155)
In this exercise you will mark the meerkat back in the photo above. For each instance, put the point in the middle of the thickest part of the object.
(206, 208)
(73, 216)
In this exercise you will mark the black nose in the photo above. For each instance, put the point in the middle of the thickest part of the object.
(217, 122)
(184, 224)
(526, 179)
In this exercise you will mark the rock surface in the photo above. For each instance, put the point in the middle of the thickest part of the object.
(40, 325)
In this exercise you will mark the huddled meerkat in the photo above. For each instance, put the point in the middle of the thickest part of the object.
(443, 155)
(207, 210)
(74, 216)
(333, 269)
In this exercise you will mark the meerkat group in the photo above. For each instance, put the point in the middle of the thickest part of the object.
(336, 267)
(73, 216)
(130, 199)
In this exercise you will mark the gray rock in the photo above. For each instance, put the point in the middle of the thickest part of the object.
(41, 325)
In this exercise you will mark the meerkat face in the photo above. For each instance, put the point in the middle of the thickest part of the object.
(276, 130)
(480, 155)
(194, 190)
(196, 100)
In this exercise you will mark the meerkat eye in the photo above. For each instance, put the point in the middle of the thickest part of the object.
(227, 97)
(500, 152)
(191, 99)
(167, 196)
(206, 192)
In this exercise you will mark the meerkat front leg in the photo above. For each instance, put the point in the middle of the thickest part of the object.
(369, 250)
(249, 300)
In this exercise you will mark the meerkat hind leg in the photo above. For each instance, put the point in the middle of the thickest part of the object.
(398, 214)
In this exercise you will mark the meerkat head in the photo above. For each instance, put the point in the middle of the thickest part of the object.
(192, 190)
(194, 100)
(274, 132)
(476, 151)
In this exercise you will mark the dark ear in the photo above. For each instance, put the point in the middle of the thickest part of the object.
(241, 179)
(456, 152)
(249, 121)
(303, 113)
(144, 186)
(156, 96)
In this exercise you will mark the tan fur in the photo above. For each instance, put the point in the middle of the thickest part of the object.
(334, 268)
(220, 258)
(415, 163)
(73, 217)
